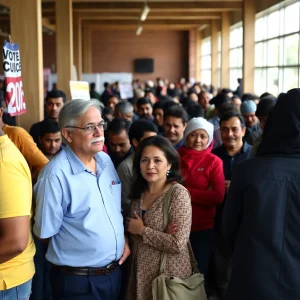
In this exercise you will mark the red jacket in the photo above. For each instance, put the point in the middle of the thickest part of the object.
(204, 179)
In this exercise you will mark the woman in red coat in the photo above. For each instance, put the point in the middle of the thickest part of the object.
(204, 179)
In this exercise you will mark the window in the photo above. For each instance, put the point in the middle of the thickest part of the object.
(277, 48)
(206, 61)
(236, 55)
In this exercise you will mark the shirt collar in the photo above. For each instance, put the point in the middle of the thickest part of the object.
(76, 164)
(177, 146)
(244, 148)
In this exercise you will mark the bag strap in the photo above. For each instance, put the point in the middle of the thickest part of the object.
(167, 200)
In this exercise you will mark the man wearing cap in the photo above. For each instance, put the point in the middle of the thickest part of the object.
(248, 109)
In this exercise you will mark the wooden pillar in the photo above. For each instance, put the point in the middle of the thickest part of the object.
(29, 38)
(77, 44)
(192, 53)
(214, 53)
(198, 55)
(64, 45)
(87, 49)
(249, 46)
(225, 54)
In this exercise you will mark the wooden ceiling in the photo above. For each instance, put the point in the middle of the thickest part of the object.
(123, 14)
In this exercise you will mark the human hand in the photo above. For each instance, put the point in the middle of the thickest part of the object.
(135, 226)
(227, 185)
(172, 228)
(126, 252)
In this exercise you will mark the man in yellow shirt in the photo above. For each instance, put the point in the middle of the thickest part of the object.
(16, 244)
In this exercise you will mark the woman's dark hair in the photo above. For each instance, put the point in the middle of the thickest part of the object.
(172, 157)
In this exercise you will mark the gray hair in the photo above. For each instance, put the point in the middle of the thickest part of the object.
(124, 107)
(73, 110)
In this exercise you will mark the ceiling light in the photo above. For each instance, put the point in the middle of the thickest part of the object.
(139, 30)
(145, 12)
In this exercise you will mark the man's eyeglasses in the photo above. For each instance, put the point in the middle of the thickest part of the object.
(91, 128)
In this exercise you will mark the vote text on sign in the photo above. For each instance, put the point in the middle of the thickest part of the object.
(15, 100)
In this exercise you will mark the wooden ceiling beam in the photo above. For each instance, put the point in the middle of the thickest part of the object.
(163, 5)
(146, 23)
(145, 27)
(183, 6)
(152, 16)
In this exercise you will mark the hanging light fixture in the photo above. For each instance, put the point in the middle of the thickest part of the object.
(145, 12)
(139, 30)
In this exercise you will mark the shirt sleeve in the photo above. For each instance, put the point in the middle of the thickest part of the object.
(181, 215)
(33, 155)
(49, 208)
(16, 191)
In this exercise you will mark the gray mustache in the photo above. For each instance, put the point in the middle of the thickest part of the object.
(98, 139)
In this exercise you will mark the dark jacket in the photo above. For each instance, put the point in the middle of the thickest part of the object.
(262, 215)
(229, 164)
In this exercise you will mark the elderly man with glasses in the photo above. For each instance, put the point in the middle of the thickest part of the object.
(78, 209)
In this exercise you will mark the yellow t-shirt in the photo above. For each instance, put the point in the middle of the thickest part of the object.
(15, 201)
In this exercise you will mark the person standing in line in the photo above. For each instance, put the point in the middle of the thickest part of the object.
(78, 209)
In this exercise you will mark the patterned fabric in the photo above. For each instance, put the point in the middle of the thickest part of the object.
(147, 250)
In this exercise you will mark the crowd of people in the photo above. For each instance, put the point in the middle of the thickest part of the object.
(83, 194)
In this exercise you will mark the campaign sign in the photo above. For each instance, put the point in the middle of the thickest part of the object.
(15, 101)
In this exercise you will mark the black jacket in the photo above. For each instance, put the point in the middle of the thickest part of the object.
(262, 215)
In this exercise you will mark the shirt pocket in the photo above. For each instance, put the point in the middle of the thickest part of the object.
(116, 193)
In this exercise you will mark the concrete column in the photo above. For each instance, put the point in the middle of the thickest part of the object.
(77, 45)
(87, 50)
(192, 53)
(64, 45)
(29, 38)
(225, 54)
(198, 56)
(249, 46)
(214, 53)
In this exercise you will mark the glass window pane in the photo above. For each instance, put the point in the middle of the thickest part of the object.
(234, 58)
(219, 60)
(233, 76)
(240, 57)
(291, 48)
(219, 42)
(273, 80)
(291, 18)
(273, 53)
(282, 21)
(260, 82)
(290, 79)
(273, 24)
(260, 29)
(206, 62)
(206, 46)
(206, 77)
(259, 54)
(236, 37)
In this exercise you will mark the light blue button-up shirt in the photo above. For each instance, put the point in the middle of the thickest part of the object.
(79, 211)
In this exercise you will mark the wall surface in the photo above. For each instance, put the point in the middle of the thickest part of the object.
(49, 51)
(115, 51)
